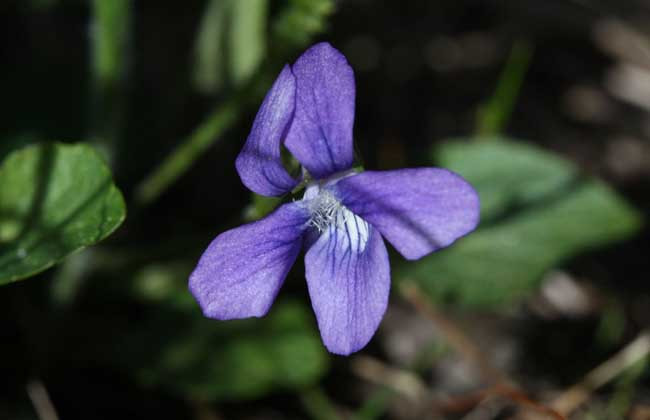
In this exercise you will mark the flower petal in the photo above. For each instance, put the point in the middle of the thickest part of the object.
(259, 163)
(320, 136)
(240, 273)
(348, 276)
(417, 210)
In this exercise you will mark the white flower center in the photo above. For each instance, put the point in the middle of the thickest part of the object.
(324, 208)
(329, 215)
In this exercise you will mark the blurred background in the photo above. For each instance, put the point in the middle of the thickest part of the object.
(121, 120)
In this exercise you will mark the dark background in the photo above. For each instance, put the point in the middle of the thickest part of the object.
(423, 69)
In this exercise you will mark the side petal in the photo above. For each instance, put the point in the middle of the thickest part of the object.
(320, 136)
(348, 276)
(417, 210)
(241, 272)
(259, 163)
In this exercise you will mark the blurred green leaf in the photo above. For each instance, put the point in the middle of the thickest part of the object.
(213, 360)
(54, 200)
(209, 68)
(611, 326)
(231, 43)
(247, 38)
(375, 406)
(165, 283)
(110, 48)
(300, 21)
(110, 36)
(318, 404)
(260, 206)
(10, 143)
(203, 359)
(546, 214)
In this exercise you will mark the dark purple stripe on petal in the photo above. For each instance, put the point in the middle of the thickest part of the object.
(320, 136)
(417, 210)
(241, 272)
(259, 164)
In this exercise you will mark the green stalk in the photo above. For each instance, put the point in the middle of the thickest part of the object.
(110, 37)
(188, 151)
(494, 115)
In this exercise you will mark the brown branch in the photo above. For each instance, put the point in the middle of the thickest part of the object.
(466, 402)
(501, 383)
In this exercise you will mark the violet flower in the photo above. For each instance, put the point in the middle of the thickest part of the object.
(341, 218)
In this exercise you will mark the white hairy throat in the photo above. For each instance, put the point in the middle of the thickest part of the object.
(329, 216)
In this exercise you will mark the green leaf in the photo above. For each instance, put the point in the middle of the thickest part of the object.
(110, 40)
(110, 53)
(10, 143)
(232, 37)
(506, 174)
(537, 213)
(209, 53)
(165, 283)
(248, 34)
(260, 206)
(55, 199)
(203, 359)
(300, 20)
(215, 360)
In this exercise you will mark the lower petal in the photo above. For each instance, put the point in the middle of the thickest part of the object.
(241, 272)
(348, 275)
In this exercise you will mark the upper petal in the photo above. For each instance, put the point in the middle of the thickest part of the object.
(320, 136)
(259, 163)
(417, 210)
(240, 273)
(348, 276)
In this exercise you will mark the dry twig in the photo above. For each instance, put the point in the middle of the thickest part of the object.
(401, 381)
(601, 375)
(41, 400)
(454, 336)
(501, 385)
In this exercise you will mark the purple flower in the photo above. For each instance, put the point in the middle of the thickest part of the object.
(341, 218)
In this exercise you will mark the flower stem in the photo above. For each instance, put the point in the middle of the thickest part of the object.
(188, 151)
(493, 116)
(110, 44)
